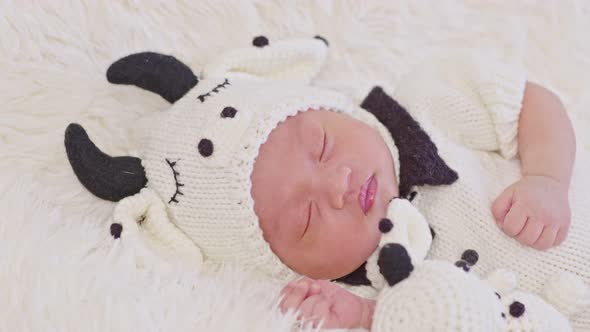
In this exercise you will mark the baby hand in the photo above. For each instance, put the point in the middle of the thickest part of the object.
(322, 300)
(534, 210)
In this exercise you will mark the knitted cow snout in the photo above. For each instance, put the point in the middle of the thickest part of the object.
(405, 241)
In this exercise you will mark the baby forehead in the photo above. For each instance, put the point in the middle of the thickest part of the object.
(316, 117)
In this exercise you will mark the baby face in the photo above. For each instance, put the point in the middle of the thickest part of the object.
(320, 184)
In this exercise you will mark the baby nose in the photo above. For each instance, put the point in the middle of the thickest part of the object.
(338, 183)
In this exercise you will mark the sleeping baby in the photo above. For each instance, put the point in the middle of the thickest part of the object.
(254, 165)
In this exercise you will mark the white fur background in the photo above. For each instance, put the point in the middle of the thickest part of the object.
(59, 268)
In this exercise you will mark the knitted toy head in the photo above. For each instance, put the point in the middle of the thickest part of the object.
(428, 295)
(189, 189)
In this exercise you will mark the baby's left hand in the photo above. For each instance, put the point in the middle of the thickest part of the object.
(322, 300)
(534, 210)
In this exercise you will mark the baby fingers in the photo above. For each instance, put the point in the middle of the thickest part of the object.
(294, 294)
(315, 309)
(514, 222)
(530, 233)
(546, 239)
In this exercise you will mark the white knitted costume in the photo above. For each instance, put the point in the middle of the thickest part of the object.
(441, 297)
(470, 106)
(428, 295)
(199, 154)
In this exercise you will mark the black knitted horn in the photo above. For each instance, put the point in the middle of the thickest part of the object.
(110, 178)
(155, 72)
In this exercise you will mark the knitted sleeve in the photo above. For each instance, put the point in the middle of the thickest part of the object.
(472, 98)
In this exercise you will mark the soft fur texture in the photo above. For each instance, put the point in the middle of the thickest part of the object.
(59, 267)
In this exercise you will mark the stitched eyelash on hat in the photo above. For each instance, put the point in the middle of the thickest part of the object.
(176, 183)
(214, 90)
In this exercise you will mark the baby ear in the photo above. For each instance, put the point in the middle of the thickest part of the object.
(291, 60)
(420, 163)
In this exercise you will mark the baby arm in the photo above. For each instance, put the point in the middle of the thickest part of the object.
(323, 301)
(535, 210)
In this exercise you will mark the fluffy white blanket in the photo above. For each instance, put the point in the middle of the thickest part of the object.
(59, 268)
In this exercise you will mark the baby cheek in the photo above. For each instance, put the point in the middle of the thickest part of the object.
(357, 244)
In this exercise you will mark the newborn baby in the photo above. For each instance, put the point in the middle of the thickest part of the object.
(256, 166)
(320, 219)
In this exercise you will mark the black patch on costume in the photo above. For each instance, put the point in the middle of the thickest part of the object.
(357, 277)
(412, 195)
(504, 315)
(385, 225)
(498, 295)
(322, 39)
(176, 182)
(394, 263)
(470, 256)
(432, 232)
(110, 178)
(155, 72)
(205, 147)
(116, 230)
(517, 309)
(420, 163)
(214, 90)
(228, 112)
(260, 41)
(463, 265)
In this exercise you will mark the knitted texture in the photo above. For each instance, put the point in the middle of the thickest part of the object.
(438, 296)
(470, 106)
(429, 295)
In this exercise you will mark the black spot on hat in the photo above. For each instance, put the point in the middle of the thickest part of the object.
(504, 315)
(116, 230)
(462, 264)
(228, 112)
(498, 295)
(322, 39)
(260, 41)
(517, 309)
(205, 147)
(470, 256)
(385, 225)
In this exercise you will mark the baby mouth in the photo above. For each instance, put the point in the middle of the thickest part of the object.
(367, 194)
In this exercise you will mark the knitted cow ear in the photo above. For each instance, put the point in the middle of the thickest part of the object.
(159, 73)
(420, 163)
(292, 60)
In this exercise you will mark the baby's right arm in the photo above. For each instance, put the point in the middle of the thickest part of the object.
(535, 210)
(486, 104)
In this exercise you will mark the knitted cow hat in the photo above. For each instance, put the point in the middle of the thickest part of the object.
(190, 187)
